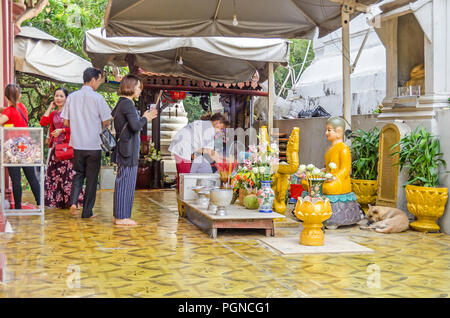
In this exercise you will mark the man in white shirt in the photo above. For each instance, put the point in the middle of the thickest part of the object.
(86, 113)
(197, 136)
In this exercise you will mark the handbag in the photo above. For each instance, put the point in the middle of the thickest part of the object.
(64, 151)
(109, 142)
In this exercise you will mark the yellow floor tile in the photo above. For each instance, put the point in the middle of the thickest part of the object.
(167, 256)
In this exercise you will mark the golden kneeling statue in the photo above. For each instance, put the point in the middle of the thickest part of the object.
(281, 178)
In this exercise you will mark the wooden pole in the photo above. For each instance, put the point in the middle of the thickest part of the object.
(156, 125)
(346, 67)
(131, 61)
(233, 111)
(271, 99)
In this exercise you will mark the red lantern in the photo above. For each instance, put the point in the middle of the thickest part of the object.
(177, 95)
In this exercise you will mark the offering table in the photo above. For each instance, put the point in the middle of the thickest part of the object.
(237, 217)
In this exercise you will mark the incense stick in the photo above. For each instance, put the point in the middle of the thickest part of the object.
(159, 96)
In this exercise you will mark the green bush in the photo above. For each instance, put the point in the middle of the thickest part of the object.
(420, 152)
(364, 151)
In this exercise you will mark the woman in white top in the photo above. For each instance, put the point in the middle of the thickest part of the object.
(196, 137)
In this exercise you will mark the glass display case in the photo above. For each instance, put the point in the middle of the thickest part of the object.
(22, 147)
(408, 90)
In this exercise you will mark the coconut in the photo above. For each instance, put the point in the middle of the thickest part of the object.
(251, 202)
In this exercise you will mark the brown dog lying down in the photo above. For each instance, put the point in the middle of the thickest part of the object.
(385, 219)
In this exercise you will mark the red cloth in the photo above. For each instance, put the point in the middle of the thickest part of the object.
(45, 121)
(14, 116)
(183, 166)
(296, 191)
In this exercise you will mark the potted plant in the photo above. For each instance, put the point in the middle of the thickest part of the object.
(169, 181)
(107, 173)
(364, 151)
(153, 158)
(420, 153)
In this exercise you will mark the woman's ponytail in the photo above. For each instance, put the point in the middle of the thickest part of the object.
(12, 93)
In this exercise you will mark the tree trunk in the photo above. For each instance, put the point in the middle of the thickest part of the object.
(31, 11)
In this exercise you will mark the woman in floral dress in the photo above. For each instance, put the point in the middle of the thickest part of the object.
(58, 178)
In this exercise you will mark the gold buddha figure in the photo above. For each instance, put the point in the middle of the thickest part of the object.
(417, 77)
(338, 159)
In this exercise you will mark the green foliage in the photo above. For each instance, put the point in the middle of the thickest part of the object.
(420, 153)
(365, 154)
(192, 107)
(106, 159)
(153, 154)
(67, 20)
(298, 50)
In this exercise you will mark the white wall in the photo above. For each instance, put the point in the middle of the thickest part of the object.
(443, 119)
(321, 83)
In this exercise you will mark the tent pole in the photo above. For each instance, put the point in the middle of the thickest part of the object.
(346, 68)
(252, 112)
(303, 63)
(271, 99)
(284, 83)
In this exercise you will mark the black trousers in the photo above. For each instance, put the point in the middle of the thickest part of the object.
(86, 164)
(16, 178)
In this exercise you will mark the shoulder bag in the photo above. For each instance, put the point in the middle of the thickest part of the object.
(64, 151)
(109, 142)
(21, 114)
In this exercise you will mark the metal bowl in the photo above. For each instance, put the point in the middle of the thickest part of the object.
(221, 198)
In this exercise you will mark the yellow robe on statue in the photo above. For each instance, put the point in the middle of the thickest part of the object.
(339, 154)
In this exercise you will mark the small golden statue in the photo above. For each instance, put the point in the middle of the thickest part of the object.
(417, 78)
(284, 172)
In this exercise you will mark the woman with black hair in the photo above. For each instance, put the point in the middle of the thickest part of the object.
(59, 175)
(16, 115)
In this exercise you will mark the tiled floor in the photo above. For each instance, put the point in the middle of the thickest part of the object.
(166, 256)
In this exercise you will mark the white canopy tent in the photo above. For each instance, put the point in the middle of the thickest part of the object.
(221, 59)
(36, 53)
(250, 18)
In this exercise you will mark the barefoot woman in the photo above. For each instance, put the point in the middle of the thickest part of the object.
(127, 124)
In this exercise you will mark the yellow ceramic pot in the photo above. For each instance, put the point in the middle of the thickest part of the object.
(427, 205)
(312, 211)
(366, 192)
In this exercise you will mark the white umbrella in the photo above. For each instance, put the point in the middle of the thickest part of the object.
(36, 53)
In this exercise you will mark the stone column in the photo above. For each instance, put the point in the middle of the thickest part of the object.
(388, 36)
